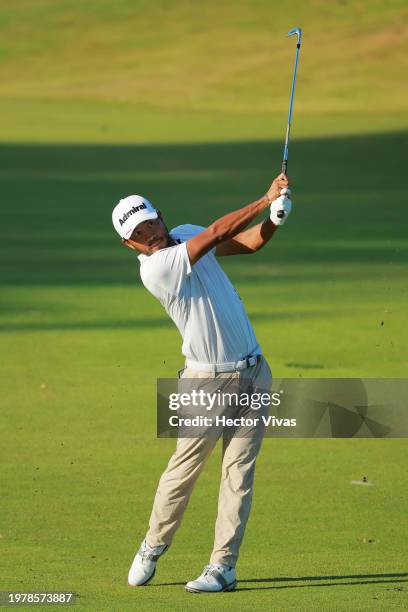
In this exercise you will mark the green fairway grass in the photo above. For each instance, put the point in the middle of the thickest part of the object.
(186, 104)
(83, 344)
(138, 71)
(220, 56)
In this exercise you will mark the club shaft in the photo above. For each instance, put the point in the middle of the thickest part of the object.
(292, 95)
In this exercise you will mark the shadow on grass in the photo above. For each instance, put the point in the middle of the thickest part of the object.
(145, 323)
(57, 200)
(337, 580)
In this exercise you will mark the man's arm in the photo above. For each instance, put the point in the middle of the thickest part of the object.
(248, 242)
(233, 223)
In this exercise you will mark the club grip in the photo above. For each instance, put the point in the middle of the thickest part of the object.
(284, 166)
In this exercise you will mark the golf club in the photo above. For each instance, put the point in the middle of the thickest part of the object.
(298, 33)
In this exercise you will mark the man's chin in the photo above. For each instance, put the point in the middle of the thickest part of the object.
(157, 246)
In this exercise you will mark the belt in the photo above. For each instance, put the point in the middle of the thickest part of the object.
(233, 366)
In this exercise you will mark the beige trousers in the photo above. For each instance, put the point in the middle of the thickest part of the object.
(240, 449)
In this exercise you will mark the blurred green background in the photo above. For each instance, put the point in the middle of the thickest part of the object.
(186, 103)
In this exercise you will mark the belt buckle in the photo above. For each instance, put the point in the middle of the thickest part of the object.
(243, 365)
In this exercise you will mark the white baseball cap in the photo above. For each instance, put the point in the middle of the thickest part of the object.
(130, 212)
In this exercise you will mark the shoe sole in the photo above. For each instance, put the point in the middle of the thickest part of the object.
(134, 586)
(228, 588)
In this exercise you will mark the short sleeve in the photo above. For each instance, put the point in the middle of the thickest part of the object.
(188, 231)
(167, 269)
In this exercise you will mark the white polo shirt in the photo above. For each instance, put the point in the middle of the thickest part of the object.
(201, 300)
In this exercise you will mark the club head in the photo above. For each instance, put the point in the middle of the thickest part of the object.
(298, 32)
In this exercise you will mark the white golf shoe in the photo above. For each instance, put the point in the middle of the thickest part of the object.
(143, 567)
(215, 578)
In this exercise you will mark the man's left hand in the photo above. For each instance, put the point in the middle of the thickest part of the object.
(281, 207)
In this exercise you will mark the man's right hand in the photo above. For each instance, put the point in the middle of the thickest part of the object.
(274, 191)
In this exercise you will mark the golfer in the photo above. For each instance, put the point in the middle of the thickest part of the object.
(180, 268)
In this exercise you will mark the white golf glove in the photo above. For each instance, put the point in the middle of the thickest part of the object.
(281, 207)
